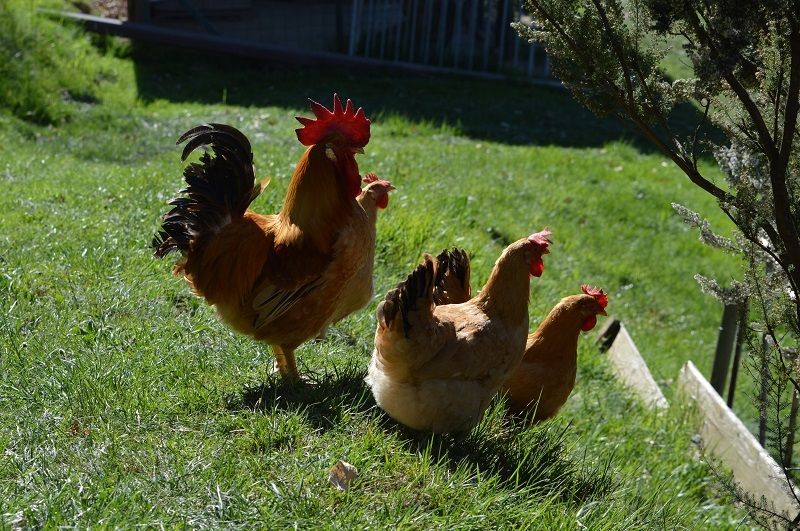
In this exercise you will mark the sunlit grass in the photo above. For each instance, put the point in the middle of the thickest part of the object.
(125, 401)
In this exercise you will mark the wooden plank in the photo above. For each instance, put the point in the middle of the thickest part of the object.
(725, 437)
(630, 368)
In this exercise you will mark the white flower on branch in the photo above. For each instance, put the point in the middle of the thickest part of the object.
(736, 293)
(707, 236)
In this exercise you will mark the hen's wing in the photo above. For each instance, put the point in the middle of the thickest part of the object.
(410, 304)
(452, 277)
(408, 334)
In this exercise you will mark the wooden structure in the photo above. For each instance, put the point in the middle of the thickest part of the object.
(628, 364)
(726, 438)
(466, 36)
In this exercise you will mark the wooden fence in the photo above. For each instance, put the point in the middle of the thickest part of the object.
(722, 435)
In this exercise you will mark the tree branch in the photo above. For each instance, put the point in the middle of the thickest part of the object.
(780, 191)
(619, 50)
(633, 116)
(766, 141)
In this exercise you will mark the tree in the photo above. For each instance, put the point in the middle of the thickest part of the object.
(745, 58)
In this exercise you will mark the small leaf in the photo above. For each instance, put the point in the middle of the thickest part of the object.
(341, 474)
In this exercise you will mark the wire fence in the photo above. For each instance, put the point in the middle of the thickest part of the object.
(469, 35)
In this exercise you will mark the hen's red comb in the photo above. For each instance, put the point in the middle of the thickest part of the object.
(599, 295)
(541, 239)
(352, 125)
(372, 178)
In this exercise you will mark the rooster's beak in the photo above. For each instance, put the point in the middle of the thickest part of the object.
(603, 313)
(358, 150)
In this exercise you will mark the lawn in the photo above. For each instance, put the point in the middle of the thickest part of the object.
(125, 401)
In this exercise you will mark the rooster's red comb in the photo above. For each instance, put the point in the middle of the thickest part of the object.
(352, 125)
(599, 295)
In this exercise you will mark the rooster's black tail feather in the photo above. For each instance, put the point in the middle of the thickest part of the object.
(218, 190)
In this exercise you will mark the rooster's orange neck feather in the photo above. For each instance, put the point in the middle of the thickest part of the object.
(317, 200)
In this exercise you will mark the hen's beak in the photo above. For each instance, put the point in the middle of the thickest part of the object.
(603, 313)
(390, 187)
(358, 150)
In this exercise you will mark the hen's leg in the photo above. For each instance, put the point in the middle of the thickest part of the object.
(284, 359)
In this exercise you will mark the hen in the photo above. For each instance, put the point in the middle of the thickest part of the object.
(278, 278)
(358, 291)
(544, 379)
(436, 367)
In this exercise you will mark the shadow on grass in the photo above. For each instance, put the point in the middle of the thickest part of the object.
(321, 399)
(509, 112)
(519, 455)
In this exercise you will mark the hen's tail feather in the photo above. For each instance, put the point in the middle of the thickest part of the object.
(452, 277)
(218, 189)
(408, 296)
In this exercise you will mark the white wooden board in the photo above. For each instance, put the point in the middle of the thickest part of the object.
(725, 437)
(630, 368)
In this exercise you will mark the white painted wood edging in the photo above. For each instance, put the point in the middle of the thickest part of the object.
(630, 368)
(725, 437)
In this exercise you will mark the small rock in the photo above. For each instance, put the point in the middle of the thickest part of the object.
(341, 474)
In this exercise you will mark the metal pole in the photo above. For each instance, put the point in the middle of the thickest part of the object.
(413, 35)
(725, 341)
(369, 13)
(737, 354)
(487, 32)
(356, 7)
(473, 29)
(762, 395)
(428, 26)
(504, 24)
(442, 31)
(401, 31)
(516, 38)
(457, 33)
(339, 26)
(789, 449)
(384, 26)
(531, 59)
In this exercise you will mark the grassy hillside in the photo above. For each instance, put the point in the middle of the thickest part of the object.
(126, 401)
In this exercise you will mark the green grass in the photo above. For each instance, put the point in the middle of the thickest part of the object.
(125, 401)
(48, 71)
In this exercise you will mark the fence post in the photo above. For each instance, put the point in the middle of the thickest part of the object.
(788, 451)
(744, 311)
(725, 342)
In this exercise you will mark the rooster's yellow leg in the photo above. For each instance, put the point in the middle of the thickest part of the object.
(285, 361)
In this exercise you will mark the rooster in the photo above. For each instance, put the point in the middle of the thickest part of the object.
(544, 379)
(436, 366)
(278, 278)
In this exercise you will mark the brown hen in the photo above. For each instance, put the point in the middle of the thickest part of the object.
(436, 367)
(543, 381)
